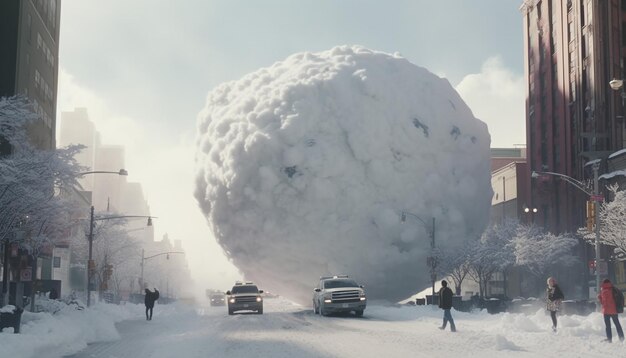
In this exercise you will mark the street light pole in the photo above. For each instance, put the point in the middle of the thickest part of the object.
(596, 192)
(143, 260)
(90, 264)
(593, 196)
(431, 260)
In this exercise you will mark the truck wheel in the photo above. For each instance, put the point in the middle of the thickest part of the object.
(230, 312)
(358, 313)
(259, 311)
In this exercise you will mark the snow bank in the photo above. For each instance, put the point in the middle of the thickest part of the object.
(65, 332)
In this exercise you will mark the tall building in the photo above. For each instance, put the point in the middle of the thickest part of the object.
(573, 49)
(29, 53)
(76, 128)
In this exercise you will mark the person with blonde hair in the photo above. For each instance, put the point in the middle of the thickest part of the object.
(554, 297)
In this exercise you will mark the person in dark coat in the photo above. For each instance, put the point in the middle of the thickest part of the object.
(149, 301)
(554, 297)
(609, 310)
(445, 303)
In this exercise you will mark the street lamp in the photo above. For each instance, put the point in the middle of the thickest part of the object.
(121, 172)
(616, 85)
(593, 196)
(143, 259)
(90, 264)
(431, 260)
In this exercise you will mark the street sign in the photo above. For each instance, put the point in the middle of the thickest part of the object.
(603, 268)
(598, 198)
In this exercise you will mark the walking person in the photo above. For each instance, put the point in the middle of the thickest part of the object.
(609, 310)
(445, 303)
(149, 302)
(554, 297)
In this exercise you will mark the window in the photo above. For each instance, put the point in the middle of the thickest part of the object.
(29, 23)
(56, 262)
(37, 76)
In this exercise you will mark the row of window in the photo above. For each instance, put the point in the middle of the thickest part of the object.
(42, 114)
(45, 91)
(48, 11)
(47, 54)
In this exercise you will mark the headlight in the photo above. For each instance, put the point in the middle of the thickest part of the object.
(328, 300)
(232, 300)
(259, 299)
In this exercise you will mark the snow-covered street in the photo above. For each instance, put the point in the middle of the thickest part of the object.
(289, 330)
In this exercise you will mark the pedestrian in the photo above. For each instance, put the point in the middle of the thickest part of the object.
(445, 303)
(149, 301)
(609, 310)
(554, 297)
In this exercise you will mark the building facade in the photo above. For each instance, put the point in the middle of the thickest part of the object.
(573, 49)
(29, 53)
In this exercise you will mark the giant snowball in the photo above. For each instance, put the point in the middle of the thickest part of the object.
(304, 169)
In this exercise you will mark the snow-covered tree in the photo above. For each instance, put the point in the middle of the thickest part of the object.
(492, 253)
(613, 220)
(111, 246)
(539, 251)
(456, 264)
(32, 213)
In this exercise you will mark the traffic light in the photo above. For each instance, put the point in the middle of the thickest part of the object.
(591, 214)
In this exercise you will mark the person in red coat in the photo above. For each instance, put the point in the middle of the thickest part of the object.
(609, 310)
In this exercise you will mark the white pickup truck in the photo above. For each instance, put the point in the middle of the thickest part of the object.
(338, 294)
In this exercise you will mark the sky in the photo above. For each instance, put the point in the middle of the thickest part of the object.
(144, 68)
(289, 330)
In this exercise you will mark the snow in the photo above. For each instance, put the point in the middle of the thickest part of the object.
(612, 174)
(615, 154)
(7, 309)
(290, 330)
(304, 169)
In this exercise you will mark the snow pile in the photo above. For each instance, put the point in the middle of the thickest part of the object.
(66, 331)
(304, 169)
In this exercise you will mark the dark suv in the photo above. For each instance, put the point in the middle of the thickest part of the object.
(245, 297)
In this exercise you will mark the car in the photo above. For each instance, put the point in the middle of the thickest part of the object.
(339, 294)
(217, 299)
(244, 296)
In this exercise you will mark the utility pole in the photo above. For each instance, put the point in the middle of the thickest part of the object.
(596, 193)
(90, 264)
(141, 284)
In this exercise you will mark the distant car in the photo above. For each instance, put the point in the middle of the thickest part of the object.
(245, 296)
(217, 299)
(339, 294)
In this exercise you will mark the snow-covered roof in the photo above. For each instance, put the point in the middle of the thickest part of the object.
(593, 162)
(612, 174)
(619, 152)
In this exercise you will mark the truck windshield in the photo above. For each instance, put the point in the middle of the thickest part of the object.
(245, 289)
(340, 283)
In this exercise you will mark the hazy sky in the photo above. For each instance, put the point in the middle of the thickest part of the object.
(143, 69)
